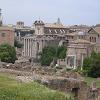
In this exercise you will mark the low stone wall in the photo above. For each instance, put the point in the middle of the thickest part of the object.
(78, 88)
(15, 72)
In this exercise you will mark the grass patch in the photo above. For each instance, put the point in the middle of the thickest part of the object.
(89, 81)
(10, 89)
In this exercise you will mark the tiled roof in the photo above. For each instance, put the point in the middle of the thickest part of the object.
(54, 25)
(55, 28)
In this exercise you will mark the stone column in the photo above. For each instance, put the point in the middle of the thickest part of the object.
(66, 61)
(19, 37)
(28, 48)
(32, 46)
(75, 62)
(82, 62)
(24, 47)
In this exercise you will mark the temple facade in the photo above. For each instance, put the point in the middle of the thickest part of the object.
(80, 44)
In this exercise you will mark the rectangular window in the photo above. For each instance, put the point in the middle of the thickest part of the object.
(3, 34)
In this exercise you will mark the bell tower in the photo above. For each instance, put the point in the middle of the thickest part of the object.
(39, 27)
(0, 18)
(58, 21)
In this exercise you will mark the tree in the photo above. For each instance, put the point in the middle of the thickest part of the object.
(50, 54)
(91, 65)
(47, 55)
(61, 52)
(95, 66)
(7, 53)
(87, 63)
(17, 44)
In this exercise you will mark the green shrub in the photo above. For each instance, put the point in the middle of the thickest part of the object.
(7, 53)
(91, 65)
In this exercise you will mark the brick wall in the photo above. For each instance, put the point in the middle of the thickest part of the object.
(7, 35)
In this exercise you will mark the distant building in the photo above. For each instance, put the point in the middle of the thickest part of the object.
(57, 28)
(6, 33)
(77, 51)
(94, 37)
(78, 28)
(45, 34)
(79, 44)
(21, 30)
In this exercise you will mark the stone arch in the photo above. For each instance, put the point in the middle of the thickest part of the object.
(75, 92)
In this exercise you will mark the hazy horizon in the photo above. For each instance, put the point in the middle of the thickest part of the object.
(71, 12)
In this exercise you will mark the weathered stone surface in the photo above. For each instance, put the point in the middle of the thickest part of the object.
(68, 82)
(67, 85)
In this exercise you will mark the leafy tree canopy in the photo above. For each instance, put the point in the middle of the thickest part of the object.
(52, 53)
(92, 65)
(47, 55)
(7, 53)
(17, 44)
(61, 52)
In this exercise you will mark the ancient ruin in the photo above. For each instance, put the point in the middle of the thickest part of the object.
(59, 79)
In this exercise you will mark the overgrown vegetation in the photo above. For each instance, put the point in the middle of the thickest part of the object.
(90, 80)
(17, 44)
(61, 52)
(47, 55)
(91, 65)
(50, 54)
(7, 53)
(10, 89)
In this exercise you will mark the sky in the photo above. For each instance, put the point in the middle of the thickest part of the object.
(71, 12)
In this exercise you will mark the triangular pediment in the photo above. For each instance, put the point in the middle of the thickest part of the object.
(93, 31)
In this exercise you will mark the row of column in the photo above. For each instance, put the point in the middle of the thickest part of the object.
(32, 47)
(28, 47)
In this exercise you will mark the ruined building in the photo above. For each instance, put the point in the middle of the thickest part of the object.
(6, 33)
(80, 44)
